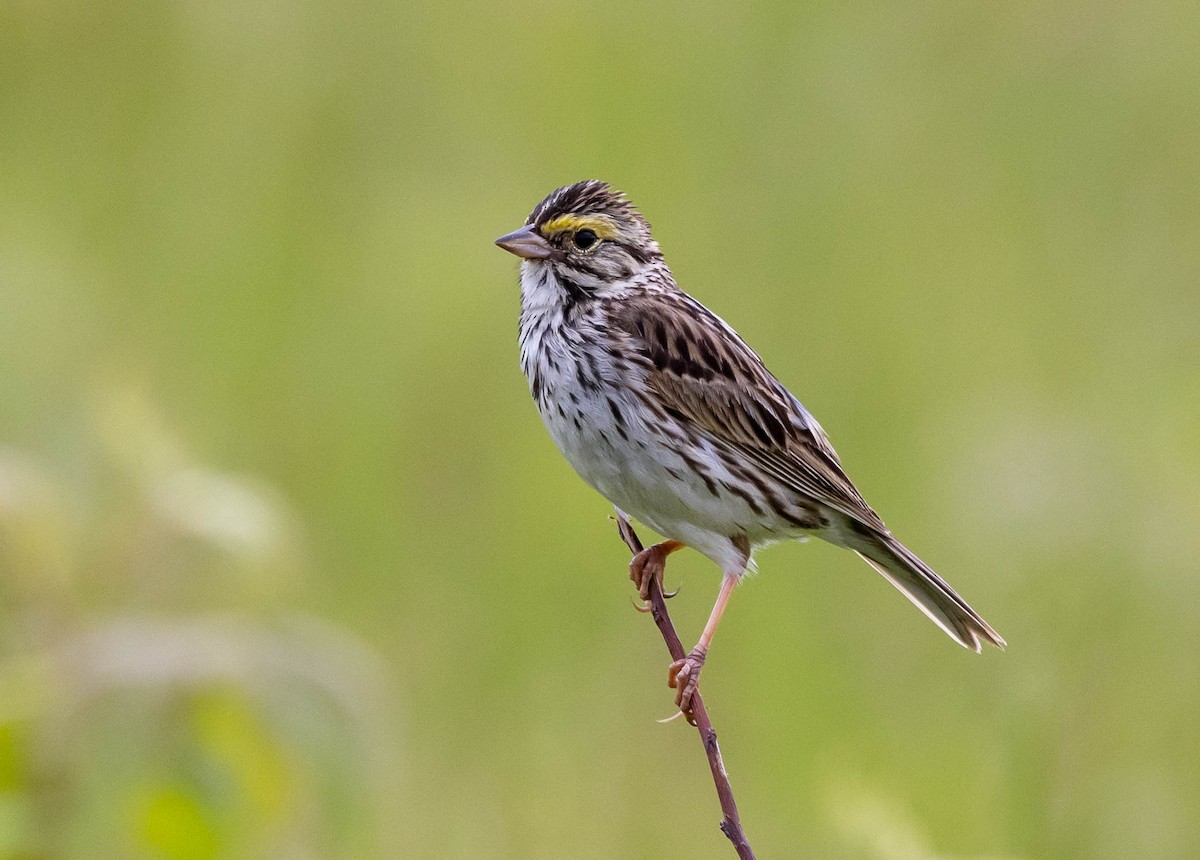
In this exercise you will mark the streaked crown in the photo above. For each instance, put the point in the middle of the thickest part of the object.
(593, 207)
(590, 203)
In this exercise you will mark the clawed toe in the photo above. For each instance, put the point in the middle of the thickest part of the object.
(648, 566)
(683, 676)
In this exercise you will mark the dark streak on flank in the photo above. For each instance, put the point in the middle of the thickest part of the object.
(696, 467)
(590, 384)
(593, 368)
(618, 418)
(745, 497)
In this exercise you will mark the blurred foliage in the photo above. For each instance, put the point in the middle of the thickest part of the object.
(160, 697)
(288, 567)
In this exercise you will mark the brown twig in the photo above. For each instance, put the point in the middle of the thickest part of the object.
(731, 824)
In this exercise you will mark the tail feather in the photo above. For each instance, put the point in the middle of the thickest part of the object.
(929, 592)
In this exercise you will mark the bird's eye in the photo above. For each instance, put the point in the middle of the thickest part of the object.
(585, 239)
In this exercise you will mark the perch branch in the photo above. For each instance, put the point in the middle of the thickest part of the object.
(731, 824)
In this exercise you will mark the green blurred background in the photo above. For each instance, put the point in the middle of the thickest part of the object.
(289, 568)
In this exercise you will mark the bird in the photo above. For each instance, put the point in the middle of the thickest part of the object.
(661, 407)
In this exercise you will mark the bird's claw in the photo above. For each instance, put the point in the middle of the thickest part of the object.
(683, 676)
(645, 567)
(688, 717)
(648, 606)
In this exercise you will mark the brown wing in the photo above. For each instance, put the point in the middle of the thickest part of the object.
(706, 376)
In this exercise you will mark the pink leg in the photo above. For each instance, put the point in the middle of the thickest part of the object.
(684, 675)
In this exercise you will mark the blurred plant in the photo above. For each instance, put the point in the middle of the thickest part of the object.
(877, 827)
(143, 710)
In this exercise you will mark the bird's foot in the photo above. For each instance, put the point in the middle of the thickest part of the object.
(683, 676)
(649, 564)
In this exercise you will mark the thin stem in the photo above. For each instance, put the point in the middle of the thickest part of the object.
(731, 824)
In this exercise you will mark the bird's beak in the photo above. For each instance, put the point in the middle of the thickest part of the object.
(526, 243)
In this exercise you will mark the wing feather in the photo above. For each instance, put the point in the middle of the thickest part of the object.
(705, 375)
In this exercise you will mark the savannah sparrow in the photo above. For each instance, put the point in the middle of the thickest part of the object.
(662, 408)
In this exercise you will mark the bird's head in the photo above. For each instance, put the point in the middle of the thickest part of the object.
(588, 234)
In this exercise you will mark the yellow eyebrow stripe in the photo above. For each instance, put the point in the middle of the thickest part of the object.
(601, 226)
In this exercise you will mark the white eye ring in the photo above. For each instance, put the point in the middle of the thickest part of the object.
(585, 240)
